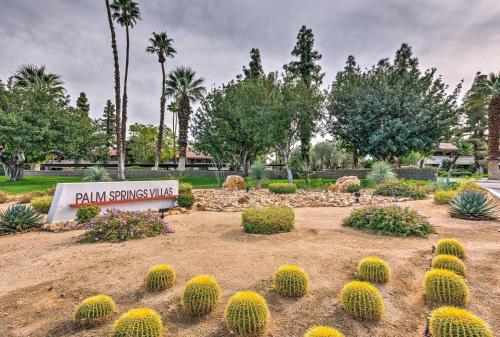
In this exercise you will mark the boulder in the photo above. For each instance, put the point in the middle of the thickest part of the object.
(234, 182)
(342, 183)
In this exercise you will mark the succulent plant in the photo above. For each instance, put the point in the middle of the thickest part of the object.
(445, 286)
(18, 218)
(381, 172)
(472, 205)
(291, 281)
(361, 300)
(323, 331)
(95, 309)
(201, 295)
(97, 174)
(449, 262)
(142, 322)
(451, 247)
(373, 269)
(160, 277)
(247, 314)
(456, 322)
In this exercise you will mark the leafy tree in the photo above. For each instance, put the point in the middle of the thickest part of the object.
(108, 121)
(328, 155)
(142, 143)
(464, 148)
(29, 76)
(82, 103)
(255, 66)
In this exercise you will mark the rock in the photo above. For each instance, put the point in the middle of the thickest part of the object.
(60, 226)
(243, 200)
(234, 182)
(342, 183)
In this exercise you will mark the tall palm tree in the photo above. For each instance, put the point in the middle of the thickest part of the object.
(186, 88)
(31, 76)
(173, 107)
(161, 45)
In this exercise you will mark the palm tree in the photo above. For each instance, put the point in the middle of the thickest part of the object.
(184, 87)
(33, 77)
(161, 45)
(173, 107)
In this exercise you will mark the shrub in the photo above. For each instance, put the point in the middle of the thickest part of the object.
(291, 281)
(283, 188)
(391, 220)
(247, 314)
(470, 186)
(160, 277)
(373, 269)
(185, 188)
(456, 322)
(361, 300)
(445, 286)
(451, 247)
(381, 172)
(87, 213)
(4, 197)
(95, 310)
(444, 197)
(201, 295)
(323, 331)
(268, 220)
(41, 204)
(97, 174)
(24, 198)
(351, 188)
(142, 322)
(473, 206)
(185, 200)
(449, 262)
(399, 188)
(258, 173)
(18, 218)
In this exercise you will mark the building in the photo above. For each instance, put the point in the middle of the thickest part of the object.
(445, 151)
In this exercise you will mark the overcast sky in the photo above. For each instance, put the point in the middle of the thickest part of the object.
(71, 37)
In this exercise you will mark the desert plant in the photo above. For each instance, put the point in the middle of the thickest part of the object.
(473, 206)
(373, 269)
(391, 220)
(142, 322)
(456, 322)
(24, 198)
(445, 286)
(398, 188)
(94, 310)
(4, 197)
(451, 247)
(201, 295)
(185, 200)
(97, 174)
(449, 262)
(18, 218)
(283, 188)
(361, 300)
(351, 188)
(185, 188)
(381, 172)
(87, 213)
(291, 281)
(258, 173)
(470, 186)
(444, 197)
(268, 220)
(323, 331)
(41, 204)
(247, 314)
(160, 277)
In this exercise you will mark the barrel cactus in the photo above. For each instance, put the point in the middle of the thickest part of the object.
(323, 331)
(247, 314)
(201, 295)
(291, 281)
(160, 277)
(445, 286)
(456, 322)
(142, 322)
(95, 309)
(473, 205)
(451, 247)
(373, 269)
(361, 300)
(449, 262)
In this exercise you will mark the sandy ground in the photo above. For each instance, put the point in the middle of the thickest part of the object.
(45, 275)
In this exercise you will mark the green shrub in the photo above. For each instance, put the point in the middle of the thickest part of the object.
(381, 172)
(160, 277)
(142, 322)
(351, 188)
(445, 286)
(4, 197)
(456, 322)
(247, 314)
(470, 186)
(258, 173)
(400, 188)
(323, 331)
(373, 269)
(185, 188)
(268, 220)
(283, 188)
(41, 204)
(97, 174)
(291, 281)
(87, 213)
(449, 262)
(444, 197)
(451, 247)
(361, 300)
(18, 218)
(94, 310)
(201, 295)
(391, 220)
(473, 205)
(185, 200)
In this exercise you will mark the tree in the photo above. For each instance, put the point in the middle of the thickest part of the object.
(328, 155)
(173, 107)
(108, 121)
(162, 46)
(464, 148)
(82, 103)
(29, 76)
(183, 85)
(255, 66)
(142, 144)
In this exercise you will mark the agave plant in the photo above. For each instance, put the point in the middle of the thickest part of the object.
(258, 173)
(18, 218)
(97, 174)
(473, 205)
(381, 172)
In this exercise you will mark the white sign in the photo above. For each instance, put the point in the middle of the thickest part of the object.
(124, 195)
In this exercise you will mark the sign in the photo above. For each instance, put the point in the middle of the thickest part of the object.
(124, 195)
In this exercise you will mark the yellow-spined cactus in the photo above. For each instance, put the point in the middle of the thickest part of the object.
(451, 247)
(95, 309)
(361, 300)
(201, 295)
(456, 322)
(323, 331)
(449, 262)
(291, 281)
(160, 277)
(247, 314)
(142, 322)
(445, 286)
(373, 269)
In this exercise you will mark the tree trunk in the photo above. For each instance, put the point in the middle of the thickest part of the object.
(244, 163)
(452, 165)
(355, 158)
(124, 107)
(162, 119)
(493, 138)
(13, 165)
(174, 131)
(289, 174)
(184, 112)
(304, 150)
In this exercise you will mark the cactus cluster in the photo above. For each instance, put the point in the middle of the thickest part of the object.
(449, 262)
(445, 286)
(373, 269)
(201, 295)
(455, 322)
(451, 247)
(247, 314)
(94, 309)
(291, 281)
(160, 277)
(323, 331)
(361, 300)
(142, 322)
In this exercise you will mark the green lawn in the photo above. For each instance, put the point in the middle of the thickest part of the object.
(30, 184)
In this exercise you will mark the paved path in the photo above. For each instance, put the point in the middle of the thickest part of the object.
(493, 186)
